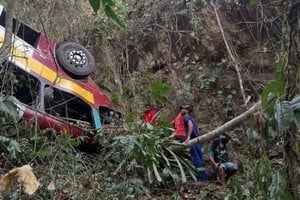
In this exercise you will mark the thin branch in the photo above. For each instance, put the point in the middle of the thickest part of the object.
(6, 46)
(236, 63)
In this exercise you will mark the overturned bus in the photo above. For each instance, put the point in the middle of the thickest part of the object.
(52, 83)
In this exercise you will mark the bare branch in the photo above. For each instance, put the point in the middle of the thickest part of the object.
(6, 46)
(236, 63)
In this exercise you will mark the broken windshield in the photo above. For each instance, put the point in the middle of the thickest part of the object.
(67, 106)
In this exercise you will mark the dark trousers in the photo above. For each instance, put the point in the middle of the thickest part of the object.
(197, 159)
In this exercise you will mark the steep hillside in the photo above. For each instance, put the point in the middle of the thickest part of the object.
(214, 57)
(181, 43)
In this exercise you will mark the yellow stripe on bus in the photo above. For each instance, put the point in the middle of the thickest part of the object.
(50, 75)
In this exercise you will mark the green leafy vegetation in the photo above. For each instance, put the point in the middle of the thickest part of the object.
(8, 106)
(166, 54)
(107, 6)
(254, 2)
(274, 89)
(158, 90)
(151, 154)
(11, 146)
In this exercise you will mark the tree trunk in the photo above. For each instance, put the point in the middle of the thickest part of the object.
(291, 73)
(6, 45)
(292, 158)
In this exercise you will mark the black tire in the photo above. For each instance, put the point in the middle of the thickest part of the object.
(75, 60)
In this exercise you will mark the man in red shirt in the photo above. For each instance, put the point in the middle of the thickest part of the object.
(178, 124)
(150, 115)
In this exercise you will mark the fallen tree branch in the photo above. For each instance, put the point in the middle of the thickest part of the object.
(225, 127)
(236, 63)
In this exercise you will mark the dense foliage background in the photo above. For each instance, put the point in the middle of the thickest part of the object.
(165, 52)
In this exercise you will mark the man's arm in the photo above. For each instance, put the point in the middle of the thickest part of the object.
(212, 160)
(173, 134)
(211, 156)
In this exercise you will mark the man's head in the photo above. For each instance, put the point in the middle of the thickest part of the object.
(185, 109)
(216, 140)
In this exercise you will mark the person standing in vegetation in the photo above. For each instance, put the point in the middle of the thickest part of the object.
(151, 115)
(218, 156)
(192, 132)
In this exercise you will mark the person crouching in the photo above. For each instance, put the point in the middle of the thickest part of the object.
(218, 156)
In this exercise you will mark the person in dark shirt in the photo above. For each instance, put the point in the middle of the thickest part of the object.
(218, 156)
(192, 132)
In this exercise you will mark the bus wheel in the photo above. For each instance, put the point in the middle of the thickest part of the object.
(75, 60)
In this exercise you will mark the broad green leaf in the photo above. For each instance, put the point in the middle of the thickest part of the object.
(95, 4)
(297, 117)
(112, 15)
(278, 187)
(149, 126)
(4, 139)
(284, 115)
(107, 6)
(188, 168)
(120, 166)
(159, 90)
(108, 2)
(275, 87)
(183, 176)
(254, 2)
(252, 134)
(176, 179)
(296, 99)
(295, 102)
(166, 172)
(165, 158)
(149, 175)
(108, 155)
(156, 173)
(12, 146)
(8, 106)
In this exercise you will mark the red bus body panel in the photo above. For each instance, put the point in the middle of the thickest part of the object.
(48, 121)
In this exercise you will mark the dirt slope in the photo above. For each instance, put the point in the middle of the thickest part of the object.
(181, 42)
